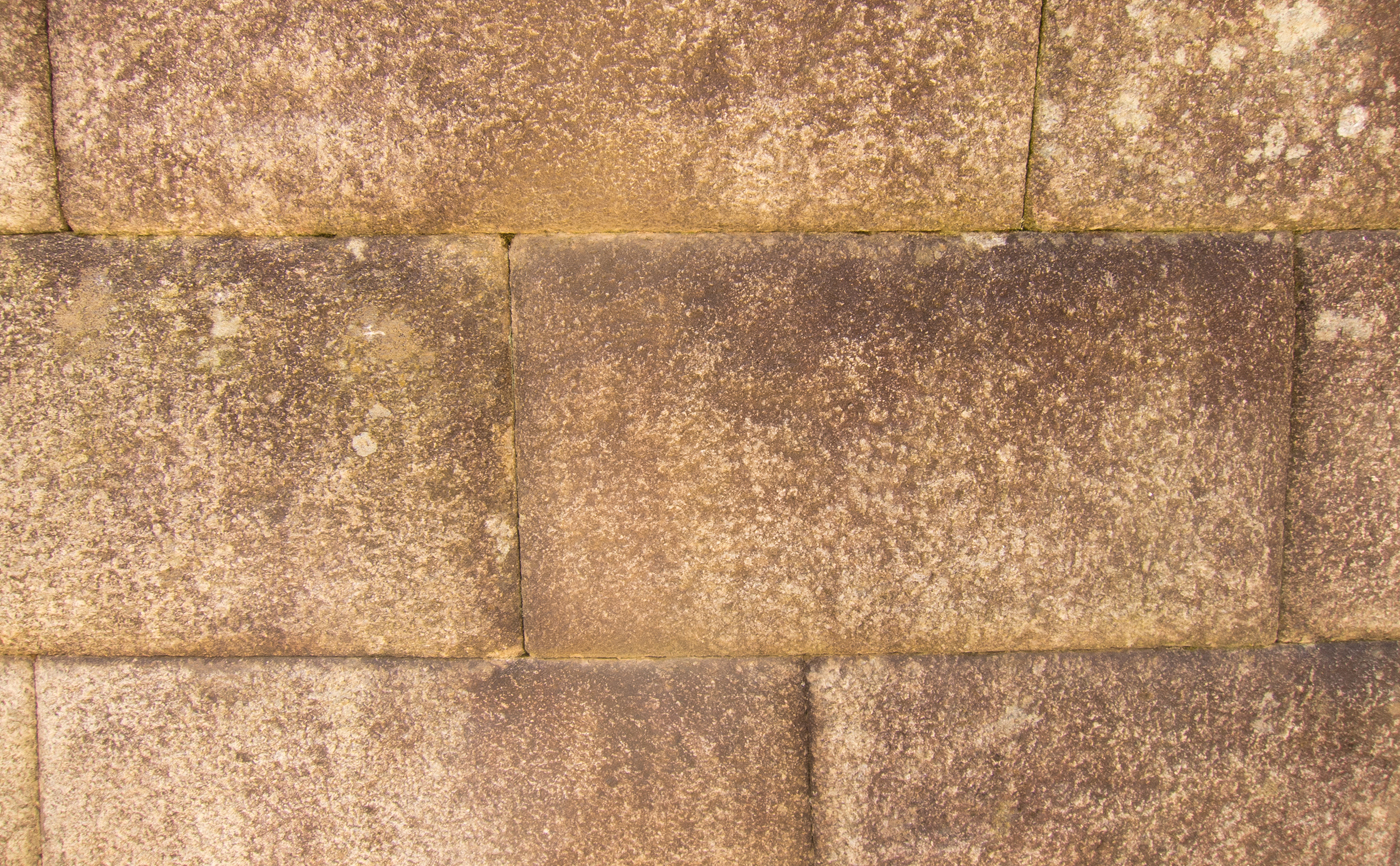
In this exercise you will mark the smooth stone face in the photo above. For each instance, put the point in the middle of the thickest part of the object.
(784, 444)
(1342, 580)
(425, 116)
(421, 762)
(1173, 114)
(1282, 756)
(28, 185)
(19, 765)
(224, 447)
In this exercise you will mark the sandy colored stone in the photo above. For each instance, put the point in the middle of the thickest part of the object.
(784, 444)
(276, 117)
(19, 766)
(1199, 758)
(1342, 578)
(226, 447)
(1173, 114)
(423, 762)
(28, 185)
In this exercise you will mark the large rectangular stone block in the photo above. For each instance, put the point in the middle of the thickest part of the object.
(826, 444)
(19, 766)
(1175, 114)
(225, 447)
(425, 116)
(423, 762)
(28, 185)
(1280, 756)
(1342, 580)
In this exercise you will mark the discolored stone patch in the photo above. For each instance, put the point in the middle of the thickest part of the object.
(426, 116)
(1342, 580)
(19, 765)
(778, 444)
(28, 185)
(224, 447)
(1236, 115)
(422, 762)
(1282, 755)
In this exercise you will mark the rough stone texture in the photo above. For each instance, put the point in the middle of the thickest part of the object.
(1342, 580)
(276, 117)
(19, 766)
(214, 447)
(781, 444)
(1281, 756)
(28, 186)
(408, 762)
(1240, 115)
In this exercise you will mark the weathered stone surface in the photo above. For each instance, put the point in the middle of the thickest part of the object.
(275, 117)
(774, 444)
(1240, 115)
(1281, 756)
(1342, 579)
(28, 186)
(19, 766)
(214, 447)
(408, 762)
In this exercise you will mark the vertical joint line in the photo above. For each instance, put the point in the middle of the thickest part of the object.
(53, 123)
(1027, 223)
(507, 238)
(807, 727)
(1302, 312)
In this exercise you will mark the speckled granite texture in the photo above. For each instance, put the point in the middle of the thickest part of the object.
(274, 117)
(812, 444)
(28, 186)
(226, 447)
(1174, 114)
(1343, 575)
(19, 766)
(418, 762)
(1198, 758)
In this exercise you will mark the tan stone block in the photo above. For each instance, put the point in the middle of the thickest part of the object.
(423, 762)
(19, 765)
(1174, 114)
(1198, 758)
(780, 444)
(28, 185)
(225, 447)
(425, 116)
(1342, 578)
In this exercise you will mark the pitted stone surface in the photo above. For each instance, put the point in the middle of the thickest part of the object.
(1282, 756)
(225, 447)
(1236, 115)
(423, 762)
(28, 186)
(777, 444)
(19, 765)
(274, 117)
(1342, 580)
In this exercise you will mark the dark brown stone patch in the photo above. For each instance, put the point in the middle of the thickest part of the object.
(19, 765)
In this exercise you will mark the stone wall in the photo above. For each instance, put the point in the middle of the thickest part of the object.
(731, 433)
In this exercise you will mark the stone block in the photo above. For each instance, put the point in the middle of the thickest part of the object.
(19, 765)
(1342, 579)
(1173, 114)
(779, 444)
(423, 762)
(427, 116)
(1282, 756)
(228, 447)
(28, 185)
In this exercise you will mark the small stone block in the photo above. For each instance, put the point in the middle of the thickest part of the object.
(227, 447)
(430, 116)
(1175, 114)
(1342, 578)
(330, 761)
(19, 765)
(780, 444)
(1286, 756)
(28, 184)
